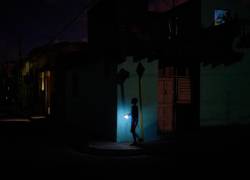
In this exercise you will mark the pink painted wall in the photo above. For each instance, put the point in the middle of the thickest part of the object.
(163, 5)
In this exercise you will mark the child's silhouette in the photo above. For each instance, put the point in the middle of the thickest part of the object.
(134, 115)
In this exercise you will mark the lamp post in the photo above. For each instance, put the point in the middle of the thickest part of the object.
(140, 71)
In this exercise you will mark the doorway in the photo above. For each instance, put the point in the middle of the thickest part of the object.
(174, 98)
(45, 88)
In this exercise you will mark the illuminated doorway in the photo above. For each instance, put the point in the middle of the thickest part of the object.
(45, 84)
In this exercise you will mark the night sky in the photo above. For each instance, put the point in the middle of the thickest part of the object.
(36, 22)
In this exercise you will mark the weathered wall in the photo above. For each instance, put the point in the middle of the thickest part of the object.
(224, 90)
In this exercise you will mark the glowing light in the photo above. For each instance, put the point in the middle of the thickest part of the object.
(126, 116)
(38, 117)
(27, 67)
(220, 16)
(42, 88)
(48, 73)
(123, 125)
(48, 110)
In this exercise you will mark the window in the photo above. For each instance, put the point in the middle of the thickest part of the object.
(221, 16)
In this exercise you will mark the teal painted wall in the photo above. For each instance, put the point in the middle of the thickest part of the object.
(224, 90)
(225, 93)
(149, 93)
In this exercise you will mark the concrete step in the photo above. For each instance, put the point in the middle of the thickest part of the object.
(114, 149)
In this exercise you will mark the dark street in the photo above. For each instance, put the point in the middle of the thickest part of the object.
(30, 149)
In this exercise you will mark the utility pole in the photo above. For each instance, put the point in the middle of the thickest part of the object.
(140, 71)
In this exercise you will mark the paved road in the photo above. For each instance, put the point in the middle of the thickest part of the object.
(30, 149)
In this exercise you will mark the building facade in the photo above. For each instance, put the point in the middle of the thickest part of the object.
(225, 85)
(165, 43)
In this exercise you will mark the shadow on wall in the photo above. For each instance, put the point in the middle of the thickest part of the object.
(149, 100)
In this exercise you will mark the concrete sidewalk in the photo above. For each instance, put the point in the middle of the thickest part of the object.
(114, 149)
